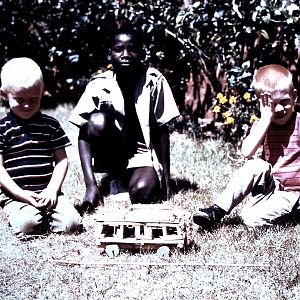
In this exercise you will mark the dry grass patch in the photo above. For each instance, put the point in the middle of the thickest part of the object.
(230, 262)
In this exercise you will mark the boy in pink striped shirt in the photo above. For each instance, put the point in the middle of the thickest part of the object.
(274, 179)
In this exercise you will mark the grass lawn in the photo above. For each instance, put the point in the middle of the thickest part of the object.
(229, 262)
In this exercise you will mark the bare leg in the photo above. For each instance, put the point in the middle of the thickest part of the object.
(143, 185)
(64, 217)
(107, 145)
(24, 218)
(101, 140)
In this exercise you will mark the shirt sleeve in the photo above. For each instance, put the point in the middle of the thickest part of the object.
(165, 108)
(59, 139)
(3, 130)
(2, 142)
(87, 103)
(96, 91)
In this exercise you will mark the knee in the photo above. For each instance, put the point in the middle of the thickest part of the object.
(252, 218)
(258, 166)
(142, 192)
(65, 223)
(30, 224)
(73, 224)
(98, 124)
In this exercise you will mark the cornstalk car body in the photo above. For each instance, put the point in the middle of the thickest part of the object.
(144, 226)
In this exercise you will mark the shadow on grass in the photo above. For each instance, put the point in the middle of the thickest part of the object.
(182, 184)
(289, 220)
(232, 221)
(226, 222)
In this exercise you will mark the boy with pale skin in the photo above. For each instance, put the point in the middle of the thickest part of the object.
(274, 180)
(33, 160)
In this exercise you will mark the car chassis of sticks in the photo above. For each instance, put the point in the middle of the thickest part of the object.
(144, 226)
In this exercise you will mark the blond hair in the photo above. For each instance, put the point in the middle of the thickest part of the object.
(20, 73)
(272, 77)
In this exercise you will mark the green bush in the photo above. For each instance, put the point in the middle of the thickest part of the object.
(68, 38)
(233, 39)
(203, 47)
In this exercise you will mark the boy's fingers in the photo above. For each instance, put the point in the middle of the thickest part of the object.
(83, 207)
(52, 204)
(41, 201)
(78, 207)
(87, 206)
(266, 99)
(263, 99)
(36, 204)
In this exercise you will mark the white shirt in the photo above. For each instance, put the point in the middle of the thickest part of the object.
(156, 100)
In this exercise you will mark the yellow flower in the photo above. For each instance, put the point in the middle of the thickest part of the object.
(223, 100)
(219, 96)
(217, 109)
(226, 114)
(247, 96)
(253, 118)
(232, 100)
(109, 66)
(99, 71)
(229, 120)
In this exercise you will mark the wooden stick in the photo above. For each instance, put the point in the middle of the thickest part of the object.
(191, 264)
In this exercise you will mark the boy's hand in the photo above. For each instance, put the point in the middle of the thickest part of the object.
(48, 198)
(168, 188)
(91, 200)
(267, 109)
(31, 198)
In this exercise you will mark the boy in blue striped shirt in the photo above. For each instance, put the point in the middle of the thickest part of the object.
(33, 160)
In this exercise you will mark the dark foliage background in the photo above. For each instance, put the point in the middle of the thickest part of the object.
(202, 47)
(68, 39)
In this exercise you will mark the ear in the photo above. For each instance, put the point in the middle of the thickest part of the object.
(109, 55)
(295, 96)
(295, 93)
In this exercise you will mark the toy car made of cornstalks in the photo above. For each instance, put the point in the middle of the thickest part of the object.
(144, 226)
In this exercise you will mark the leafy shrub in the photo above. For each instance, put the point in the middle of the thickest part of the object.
(68, 39)
(233, 39)
(202, 47)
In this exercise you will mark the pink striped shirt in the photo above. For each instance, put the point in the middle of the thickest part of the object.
(281, 148)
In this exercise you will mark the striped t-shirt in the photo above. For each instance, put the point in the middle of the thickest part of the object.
(281, 149)
(27, 147)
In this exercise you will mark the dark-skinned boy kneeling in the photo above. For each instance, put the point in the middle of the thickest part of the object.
(123, 116)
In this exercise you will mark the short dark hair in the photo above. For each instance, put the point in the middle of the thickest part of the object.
(127, 29)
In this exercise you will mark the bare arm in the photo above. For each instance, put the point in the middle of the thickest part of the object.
(49, 195)
(92, 195)
(255, 138)
(23, 195)
(165, 155)
(86, 162)
(60, 170)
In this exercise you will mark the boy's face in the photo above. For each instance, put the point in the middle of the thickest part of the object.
(125, 53)
(26, 102)
(284, 102)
